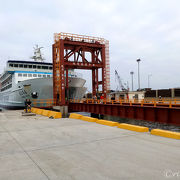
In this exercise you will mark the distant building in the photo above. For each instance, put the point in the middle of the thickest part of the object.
(131, 95)
(164, 93)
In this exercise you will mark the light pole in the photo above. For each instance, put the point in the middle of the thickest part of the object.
(132, 73)
(138, 60)
(149, 75)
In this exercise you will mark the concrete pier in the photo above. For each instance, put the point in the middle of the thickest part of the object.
(63, 149)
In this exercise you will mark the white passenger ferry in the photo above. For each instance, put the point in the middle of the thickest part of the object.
(33, 80)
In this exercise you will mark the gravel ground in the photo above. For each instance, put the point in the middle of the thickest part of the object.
(149, 124)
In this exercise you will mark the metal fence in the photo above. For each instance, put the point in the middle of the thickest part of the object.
(145, 102)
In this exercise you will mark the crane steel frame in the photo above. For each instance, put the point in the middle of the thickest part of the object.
(69, 52)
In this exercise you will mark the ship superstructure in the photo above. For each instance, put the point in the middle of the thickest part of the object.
(22, 79)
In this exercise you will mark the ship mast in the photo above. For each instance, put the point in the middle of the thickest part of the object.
(37, 54)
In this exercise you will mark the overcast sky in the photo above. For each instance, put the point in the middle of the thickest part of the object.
(145, 29)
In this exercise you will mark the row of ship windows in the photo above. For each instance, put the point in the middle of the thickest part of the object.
(30, 66)
(34, 75)
(40, 75)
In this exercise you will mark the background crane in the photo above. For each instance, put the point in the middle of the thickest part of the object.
(121, 86)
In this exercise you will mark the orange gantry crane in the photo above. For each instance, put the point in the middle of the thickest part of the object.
(69, 52)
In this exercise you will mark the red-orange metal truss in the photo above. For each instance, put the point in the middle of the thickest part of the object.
(70, 52)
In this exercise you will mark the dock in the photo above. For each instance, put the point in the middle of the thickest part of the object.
(37, 147)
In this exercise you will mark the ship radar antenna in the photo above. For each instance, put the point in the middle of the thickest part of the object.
(37, 54)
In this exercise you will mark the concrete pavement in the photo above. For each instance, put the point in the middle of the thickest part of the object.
(63, 149)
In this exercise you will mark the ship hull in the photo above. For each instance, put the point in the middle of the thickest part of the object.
(43, 87)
